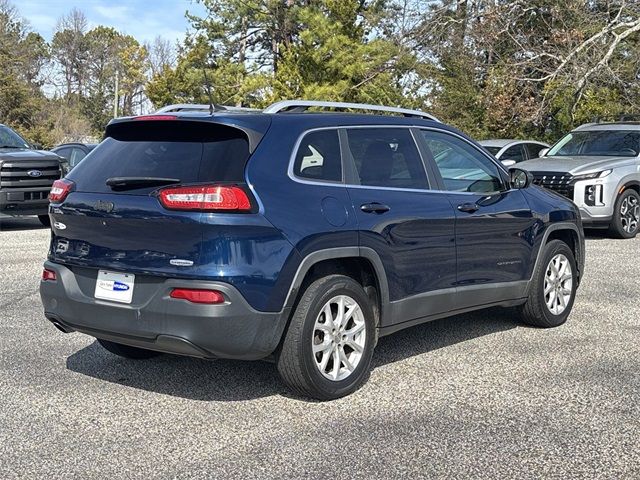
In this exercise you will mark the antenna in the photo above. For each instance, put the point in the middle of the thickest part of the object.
(206, 82)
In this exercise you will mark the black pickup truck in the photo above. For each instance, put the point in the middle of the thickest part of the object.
(26, 176)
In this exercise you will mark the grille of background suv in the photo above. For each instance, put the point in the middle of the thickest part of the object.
(15, 175)
(560, 182)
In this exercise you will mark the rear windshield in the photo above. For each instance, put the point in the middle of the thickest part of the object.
(612, 143)
(189, 152)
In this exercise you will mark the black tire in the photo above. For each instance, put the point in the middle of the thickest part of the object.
(45, 220)
(535, 311)
(127, 351)
(296, 361)
(617, 227)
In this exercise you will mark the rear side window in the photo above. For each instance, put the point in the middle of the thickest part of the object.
(534, 149)
(318, 157)
(387, 157)
(187, 151)
(515, 153)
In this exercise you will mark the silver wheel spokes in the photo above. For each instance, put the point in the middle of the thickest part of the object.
(630, 214)
(558, 284)
(339, 336)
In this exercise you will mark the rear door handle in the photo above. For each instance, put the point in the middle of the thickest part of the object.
(374, 207)
(468, 207)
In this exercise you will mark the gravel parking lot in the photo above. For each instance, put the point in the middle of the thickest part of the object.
(474, 396)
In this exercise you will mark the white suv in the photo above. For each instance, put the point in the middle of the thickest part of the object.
(597, 165)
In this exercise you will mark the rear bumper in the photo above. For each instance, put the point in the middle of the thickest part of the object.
(157, 322)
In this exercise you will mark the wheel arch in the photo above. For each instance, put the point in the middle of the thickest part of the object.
(568, 233)
(361, 263)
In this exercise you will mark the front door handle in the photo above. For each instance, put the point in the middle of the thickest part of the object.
(374, 207)
(468, 207)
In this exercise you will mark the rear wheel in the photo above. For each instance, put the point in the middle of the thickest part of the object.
(626, 215)
(45, 220)
(553, 287)
(328, 346)
(127, 351)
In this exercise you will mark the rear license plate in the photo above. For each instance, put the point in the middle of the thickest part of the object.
(117, 287)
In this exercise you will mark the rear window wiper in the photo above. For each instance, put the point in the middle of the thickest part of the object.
(127, 183)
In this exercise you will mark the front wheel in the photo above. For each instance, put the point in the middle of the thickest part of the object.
(626, 215)
(127, 351)
(553, 287)
(327, 350)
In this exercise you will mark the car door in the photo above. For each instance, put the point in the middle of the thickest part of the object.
(408, 224)
(493, 222)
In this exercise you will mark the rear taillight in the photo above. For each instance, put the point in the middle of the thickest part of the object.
(49, 275)
(60, 189)
(194, 295)
(207, 198)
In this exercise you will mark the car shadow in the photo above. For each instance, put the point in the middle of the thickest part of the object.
(597, 234)
(227, 380)
(20, 223)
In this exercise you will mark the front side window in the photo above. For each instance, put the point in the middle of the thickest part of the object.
(535, 149)
(462, 167)
(386, 157)
(608, 143)
(318, 157)
(515, 153)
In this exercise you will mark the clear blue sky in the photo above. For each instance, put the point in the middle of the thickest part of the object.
(144, 19)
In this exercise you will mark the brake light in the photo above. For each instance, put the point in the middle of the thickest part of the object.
(49, 275)
(207, 197)
(193, 295)
(60, 189)
(156, 117)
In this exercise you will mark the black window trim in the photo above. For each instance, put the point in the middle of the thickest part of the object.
(504, 174)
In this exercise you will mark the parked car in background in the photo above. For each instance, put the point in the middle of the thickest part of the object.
(597, 166)
(510, 152)
(298, 236)
(26, 176)
(72, 153)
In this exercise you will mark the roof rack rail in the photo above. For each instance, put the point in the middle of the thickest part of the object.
(298, 106)
(202, 107)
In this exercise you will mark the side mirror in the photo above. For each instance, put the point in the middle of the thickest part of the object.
(543, 152)
(508, 162)
(520, 178)
(36, 146)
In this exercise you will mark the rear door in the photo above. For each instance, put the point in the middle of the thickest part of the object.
(409, 225)
(126, 228)
(493, 222)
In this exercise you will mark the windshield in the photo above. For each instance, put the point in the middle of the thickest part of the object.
(608, 143)
(492, 150)
(10, 139)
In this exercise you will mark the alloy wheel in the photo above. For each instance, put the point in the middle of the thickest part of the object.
(558, 284)
(630, 214)
(339, 336)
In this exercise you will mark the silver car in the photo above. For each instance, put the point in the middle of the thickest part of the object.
(510, 152)
(597, 165)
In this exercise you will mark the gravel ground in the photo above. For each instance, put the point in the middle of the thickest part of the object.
(474, 396)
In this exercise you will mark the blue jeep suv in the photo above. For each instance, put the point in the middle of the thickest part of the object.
(298, 235)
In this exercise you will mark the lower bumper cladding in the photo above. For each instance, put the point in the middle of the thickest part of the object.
(156, 321)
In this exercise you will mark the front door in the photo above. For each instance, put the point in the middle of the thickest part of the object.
(493, 222)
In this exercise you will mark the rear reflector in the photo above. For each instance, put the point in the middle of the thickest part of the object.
(156, 117)
(60, 189)
(49, 275)
(198, 296)
(207, 197)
